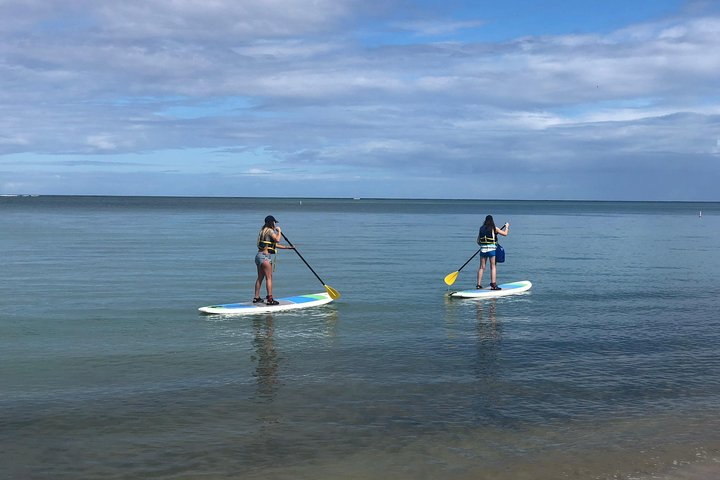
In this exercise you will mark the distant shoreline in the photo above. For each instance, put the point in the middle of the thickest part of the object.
(356, 199)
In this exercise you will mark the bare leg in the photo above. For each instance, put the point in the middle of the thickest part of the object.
(258, 282)
(493, 271)
(481, 270)
(267, 272)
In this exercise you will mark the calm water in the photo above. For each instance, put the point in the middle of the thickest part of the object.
(608, 368)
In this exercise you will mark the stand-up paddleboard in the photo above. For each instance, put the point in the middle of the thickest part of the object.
(507, 289)
(288, 303)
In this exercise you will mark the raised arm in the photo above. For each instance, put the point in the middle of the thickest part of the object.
(277, 236)
(503, 231)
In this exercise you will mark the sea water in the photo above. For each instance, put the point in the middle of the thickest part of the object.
(609, 367)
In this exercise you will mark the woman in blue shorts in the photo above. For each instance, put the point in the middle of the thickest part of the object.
(268, 238)
(487, 239)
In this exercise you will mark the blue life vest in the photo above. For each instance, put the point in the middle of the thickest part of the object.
(486, 236)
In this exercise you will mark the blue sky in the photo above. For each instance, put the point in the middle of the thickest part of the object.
(600, 100)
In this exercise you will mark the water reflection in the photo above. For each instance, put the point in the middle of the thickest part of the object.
(321, 324)
(330, 322)
(266, 371)
(488, 329)
(475, 320)
(475, 328)
(489, 335)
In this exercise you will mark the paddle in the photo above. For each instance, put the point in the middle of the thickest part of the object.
(334, 294)
(451, 277)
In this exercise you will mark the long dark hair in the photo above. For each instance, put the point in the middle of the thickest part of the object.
(489, 223)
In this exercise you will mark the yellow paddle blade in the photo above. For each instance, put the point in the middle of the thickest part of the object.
(334, 294)
(451, 277)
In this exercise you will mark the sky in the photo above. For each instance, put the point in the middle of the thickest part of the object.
(472, 99)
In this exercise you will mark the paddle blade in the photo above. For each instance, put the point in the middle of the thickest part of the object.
(451, 277)
(334, 294)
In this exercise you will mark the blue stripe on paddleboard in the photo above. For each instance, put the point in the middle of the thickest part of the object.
(237, 305)
(296, 299)
(303, 298)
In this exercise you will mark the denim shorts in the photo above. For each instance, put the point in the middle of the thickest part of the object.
(489, 254)
(261, 257)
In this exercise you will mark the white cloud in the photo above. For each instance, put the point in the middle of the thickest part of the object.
(101, 142)
(205, 19)
(258, 171)
(292, 49)
(293, 77)
(15, 140)
(435, 28)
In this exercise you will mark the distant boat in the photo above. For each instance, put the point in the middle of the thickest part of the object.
(700, 213)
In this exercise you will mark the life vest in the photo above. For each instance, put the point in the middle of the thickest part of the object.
(483, 238)
(263, 243)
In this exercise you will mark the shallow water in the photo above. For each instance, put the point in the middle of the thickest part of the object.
(607, 368)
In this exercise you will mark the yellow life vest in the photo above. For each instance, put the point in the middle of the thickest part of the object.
(262, 243)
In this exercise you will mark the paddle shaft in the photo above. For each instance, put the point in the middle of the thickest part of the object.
(301, 258)
(465, 262)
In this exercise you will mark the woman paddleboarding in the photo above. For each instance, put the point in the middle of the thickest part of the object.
(487, 239)
(268, 238)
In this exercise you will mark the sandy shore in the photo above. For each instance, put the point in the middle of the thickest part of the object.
(705, 470)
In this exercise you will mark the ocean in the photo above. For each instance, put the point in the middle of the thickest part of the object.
(608, 368)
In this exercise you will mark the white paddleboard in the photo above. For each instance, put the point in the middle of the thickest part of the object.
(507, 289)
(288, 303)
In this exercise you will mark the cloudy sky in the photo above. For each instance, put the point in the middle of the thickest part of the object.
(512, 99)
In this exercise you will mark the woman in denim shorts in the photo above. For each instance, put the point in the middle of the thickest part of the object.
(268, 238)
(487, 239)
